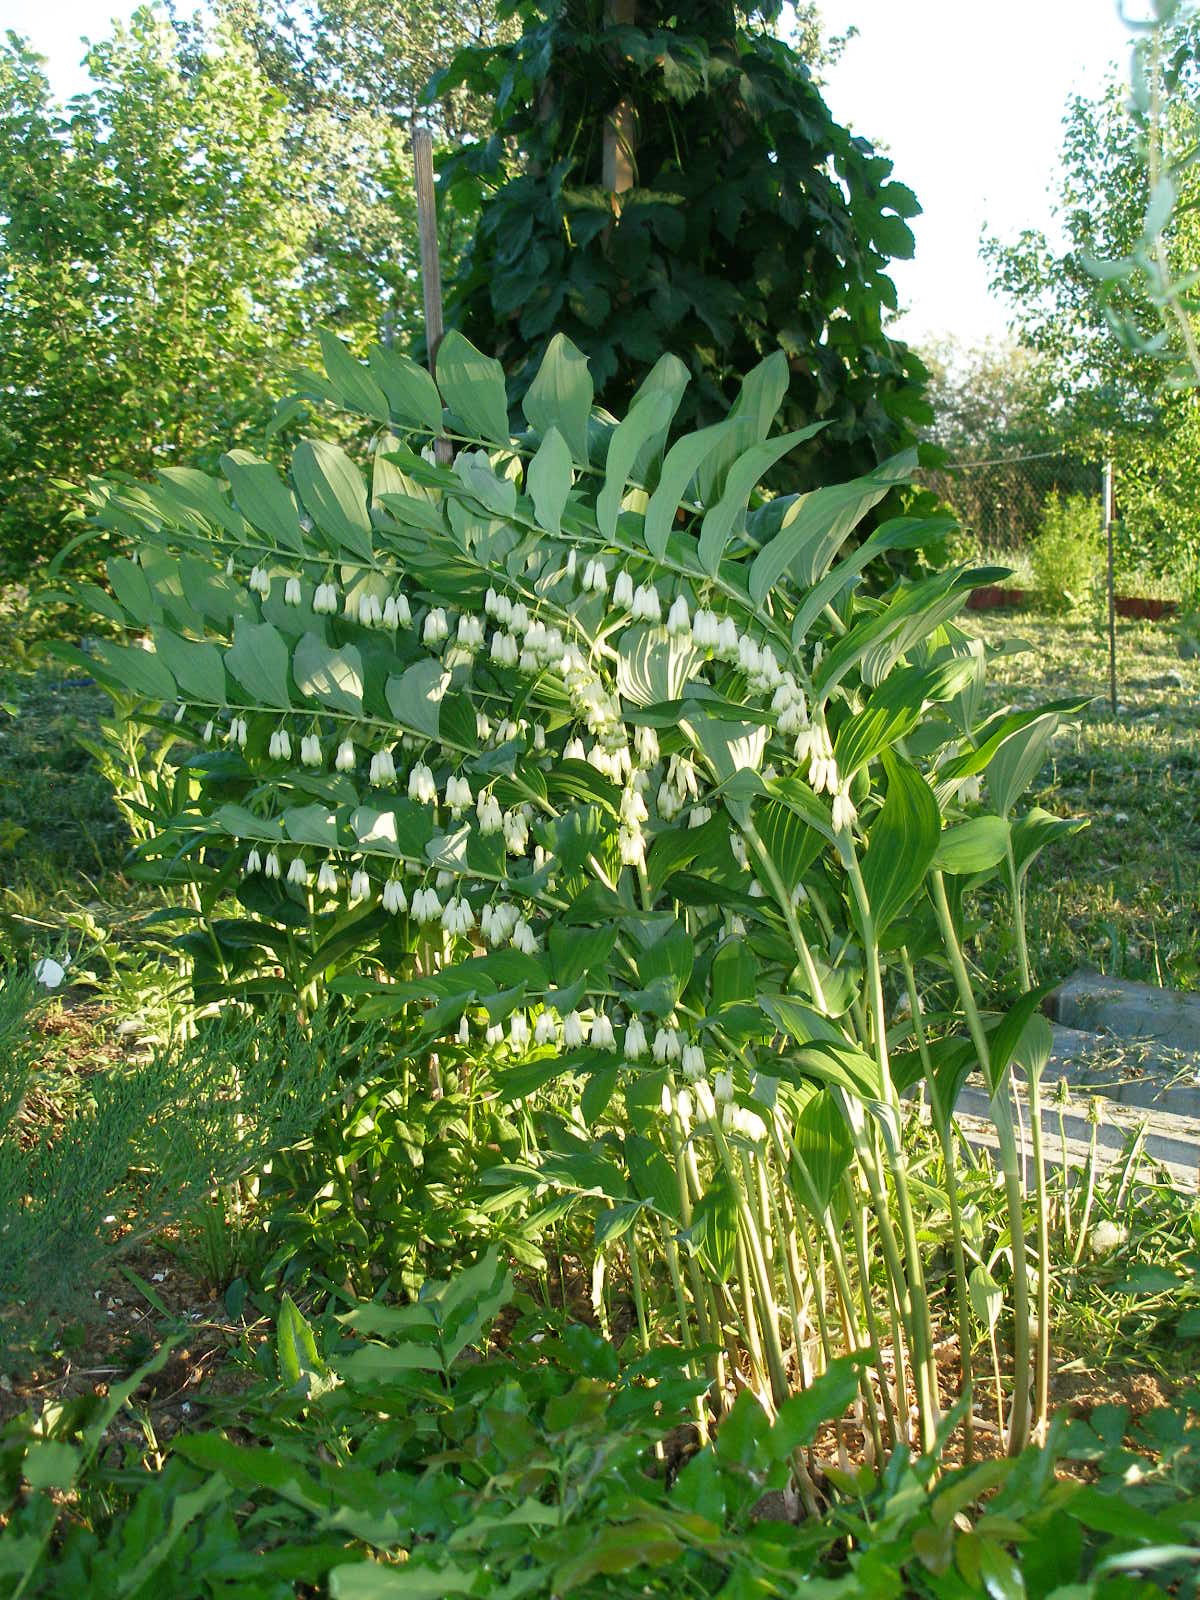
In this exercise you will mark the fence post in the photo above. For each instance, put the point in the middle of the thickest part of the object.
(1112, 599)
(431, 272)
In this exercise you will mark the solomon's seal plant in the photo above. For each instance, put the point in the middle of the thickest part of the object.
(581, 755)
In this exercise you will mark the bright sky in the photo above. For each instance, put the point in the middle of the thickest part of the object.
(967, 96)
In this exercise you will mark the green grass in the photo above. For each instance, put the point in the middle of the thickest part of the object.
(1122, 895)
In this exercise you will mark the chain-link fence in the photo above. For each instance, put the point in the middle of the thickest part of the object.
(1001, 502)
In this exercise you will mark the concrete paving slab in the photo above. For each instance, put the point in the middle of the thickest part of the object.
(1127, 1009)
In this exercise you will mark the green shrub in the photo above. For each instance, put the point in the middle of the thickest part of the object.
(579, 751)
(1067, 554)
(151, 1141)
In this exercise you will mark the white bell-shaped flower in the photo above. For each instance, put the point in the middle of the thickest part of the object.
(394, 898)
(635, 1040)
(603, 1037)
(573, 1034)
(421, 786)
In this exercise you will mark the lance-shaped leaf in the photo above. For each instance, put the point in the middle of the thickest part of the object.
(743, 475)
(972, 846)
(258, 659)
(415, 696)
(668, 376)
(472, 385)
(647, 419)
(135, 669)
(561, 396)
(901, 843)
(895, 709)
(263, 498)
(411, 393)
(1035, 830)
(334, 677)
(549, 480)
(1018, 761)
(335, 494)
(819, 523)
(822, 1142)
(131, 589)
(678, 469)
(898, 533)
(356, 389)
(197, 667)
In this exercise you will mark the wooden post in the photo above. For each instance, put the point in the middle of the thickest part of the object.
(431, 272)
(619, 127)
(1112, 599)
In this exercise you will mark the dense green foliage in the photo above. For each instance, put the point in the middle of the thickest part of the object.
(754, 222)
(1098, 319)
(673, 848)
(169, 240)
(1067, 554)
(370, 1460)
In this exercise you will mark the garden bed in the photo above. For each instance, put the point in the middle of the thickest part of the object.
(997, 597)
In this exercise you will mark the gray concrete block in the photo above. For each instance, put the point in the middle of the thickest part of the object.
(1129, 1010)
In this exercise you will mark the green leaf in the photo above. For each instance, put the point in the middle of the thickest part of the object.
(895, 708)
(313, 824)
(365, 1580)
(258, 659)
(678, 469)
(801, 1418)
(822, 1141)
(714, 1225)
(668, 376)
(356, 388)
(647, 419)
(411, 392)
(901, 843)
(653, 665)
(972, 846)
(986, 1295)
(549, 480)
(1035, 830)
(1018, 761)
(295, 1345)
(197, 667)
(263, 498)
(561, 396)
(819, 523)
(415, 697)
(334, 677)
(136, 669)
(898, 533)
(334, 493)
(131, 589)
(472, 385)
(743, 475)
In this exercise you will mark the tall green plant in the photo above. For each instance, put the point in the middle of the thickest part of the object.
(668, 179)
(581, 749)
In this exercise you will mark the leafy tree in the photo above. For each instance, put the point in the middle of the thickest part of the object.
(1101, 337)
(352, 74)
(668, 178)
(995, 405)
(151, 236)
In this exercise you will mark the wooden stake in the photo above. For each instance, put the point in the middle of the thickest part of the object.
(431, 271)
(619, 129)
(1112, 600)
